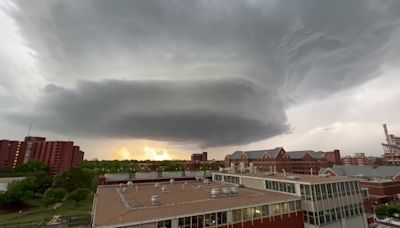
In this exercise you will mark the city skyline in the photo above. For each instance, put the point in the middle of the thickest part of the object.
(165, 79)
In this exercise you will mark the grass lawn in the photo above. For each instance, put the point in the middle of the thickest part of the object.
(37, 212)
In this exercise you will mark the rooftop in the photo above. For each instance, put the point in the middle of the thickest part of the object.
(311, 179)
(178, 201)
(384, 172)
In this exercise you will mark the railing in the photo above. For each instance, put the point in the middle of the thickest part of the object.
(76, 220)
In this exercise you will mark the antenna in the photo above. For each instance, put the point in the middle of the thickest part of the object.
(29, 129)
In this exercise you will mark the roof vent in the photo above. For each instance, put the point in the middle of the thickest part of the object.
(155, 200)
(206, 181)
(215, 192)
(164, 188)
(234, 190)
(226, 191)
(324, 175)
(292, 177)
(129, 184)
(157, 185)
(124, 190)
(171, 181)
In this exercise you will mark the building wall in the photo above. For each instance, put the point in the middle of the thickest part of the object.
(253, 183)
(58, 155)
(382, 189)
(333, 157)
(293, 220)
(10, 153)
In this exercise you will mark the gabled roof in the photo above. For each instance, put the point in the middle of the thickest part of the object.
(236, 155)
(256, 154)
(365, 171)
(302, 153)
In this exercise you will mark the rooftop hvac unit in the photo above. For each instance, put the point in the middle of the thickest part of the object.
(155, 200)
(171, 181)
(129, 184)
(124, 189)
(215, 192)
(292, 177)
(234, 190)
(164, 188)
(226, 191)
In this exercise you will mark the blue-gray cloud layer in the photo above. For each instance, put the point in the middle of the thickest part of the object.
(212, 72)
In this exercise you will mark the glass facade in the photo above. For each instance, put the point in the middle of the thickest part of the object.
(329, 190)
(229, 179)
(280, 186)
(332, 215)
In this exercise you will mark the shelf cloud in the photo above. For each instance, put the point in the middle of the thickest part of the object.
(215, 73)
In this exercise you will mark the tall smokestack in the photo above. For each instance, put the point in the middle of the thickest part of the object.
(386, 132)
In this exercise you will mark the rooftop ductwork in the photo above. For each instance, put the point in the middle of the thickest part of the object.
(155, 200)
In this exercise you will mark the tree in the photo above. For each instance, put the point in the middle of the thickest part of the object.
(74, 178)
(43, 181)
(53, 195)
(32, 166)
(78, 195)
(19, 192)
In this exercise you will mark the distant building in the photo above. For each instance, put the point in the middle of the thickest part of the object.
(382, 182)
(5, 181)
(58, 155)
(391, 148)
(357, 159)
(276, 160)
(199, 157)
(333, 157)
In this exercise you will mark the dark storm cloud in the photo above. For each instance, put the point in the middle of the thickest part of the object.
(214, 72)
(211, 113)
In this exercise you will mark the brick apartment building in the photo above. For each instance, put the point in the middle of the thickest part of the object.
(357, 159)
(58, 155)
(277, 160)
(199, 157)
(333, 157)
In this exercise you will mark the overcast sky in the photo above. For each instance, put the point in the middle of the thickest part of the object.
(163, 79)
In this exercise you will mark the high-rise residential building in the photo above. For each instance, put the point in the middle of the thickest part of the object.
(58, 155)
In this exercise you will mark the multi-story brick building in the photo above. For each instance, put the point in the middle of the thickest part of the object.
(199, 157)
(357, 159)
(276, 160)
(333, 157)
(9, 154)
(58, 155)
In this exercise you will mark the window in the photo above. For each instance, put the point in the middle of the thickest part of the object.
(163, 224)
(237, 215)
(256, 211)
(247, 213)
(221, 217)
(265, 210)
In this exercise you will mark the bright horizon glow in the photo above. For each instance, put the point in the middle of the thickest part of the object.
(156, 154)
